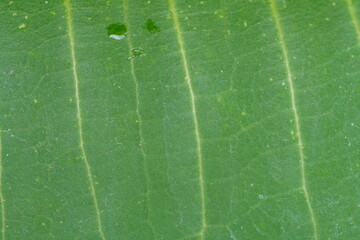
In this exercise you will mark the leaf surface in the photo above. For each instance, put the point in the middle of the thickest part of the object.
(174, 119)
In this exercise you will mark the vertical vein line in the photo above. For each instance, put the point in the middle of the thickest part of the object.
(78, 108)
(354, 19)
(295, 112)
(139, 120)
(180, 40)
(2, 200)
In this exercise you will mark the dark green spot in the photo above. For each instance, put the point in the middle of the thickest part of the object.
(116, 29)
(151, 26)
(136, 52)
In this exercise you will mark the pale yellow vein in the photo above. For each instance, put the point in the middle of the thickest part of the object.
(137, 96)
(354, 18)
(295, 112)
(2, 200)
(78, 108)
(180, 40)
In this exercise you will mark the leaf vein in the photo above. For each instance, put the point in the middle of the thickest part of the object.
(137, 110)
(78, 109)
(295, 112)
(2, 200)
(354, 19)
(180, 40)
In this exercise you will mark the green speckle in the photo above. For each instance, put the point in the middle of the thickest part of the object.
(293, 134)
(137, 52)
(116, 29)
(22, 26)
(151, 26)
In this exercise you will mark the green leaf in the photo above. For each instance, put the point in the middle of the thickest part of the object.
(197, 120)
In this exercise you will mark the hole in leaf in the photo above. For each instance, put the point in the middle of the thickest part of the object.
(117, 31)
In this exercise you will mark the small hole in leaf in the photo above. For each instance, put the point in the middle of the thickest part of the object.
(116, 31)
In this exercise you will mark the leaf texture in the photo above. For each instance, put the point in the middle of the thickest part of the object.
(198, 120)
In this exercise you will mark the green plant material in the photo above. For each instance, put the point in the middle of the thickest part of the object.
(116, 29)
(240, 121)
(136, 52)
(151, 26)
